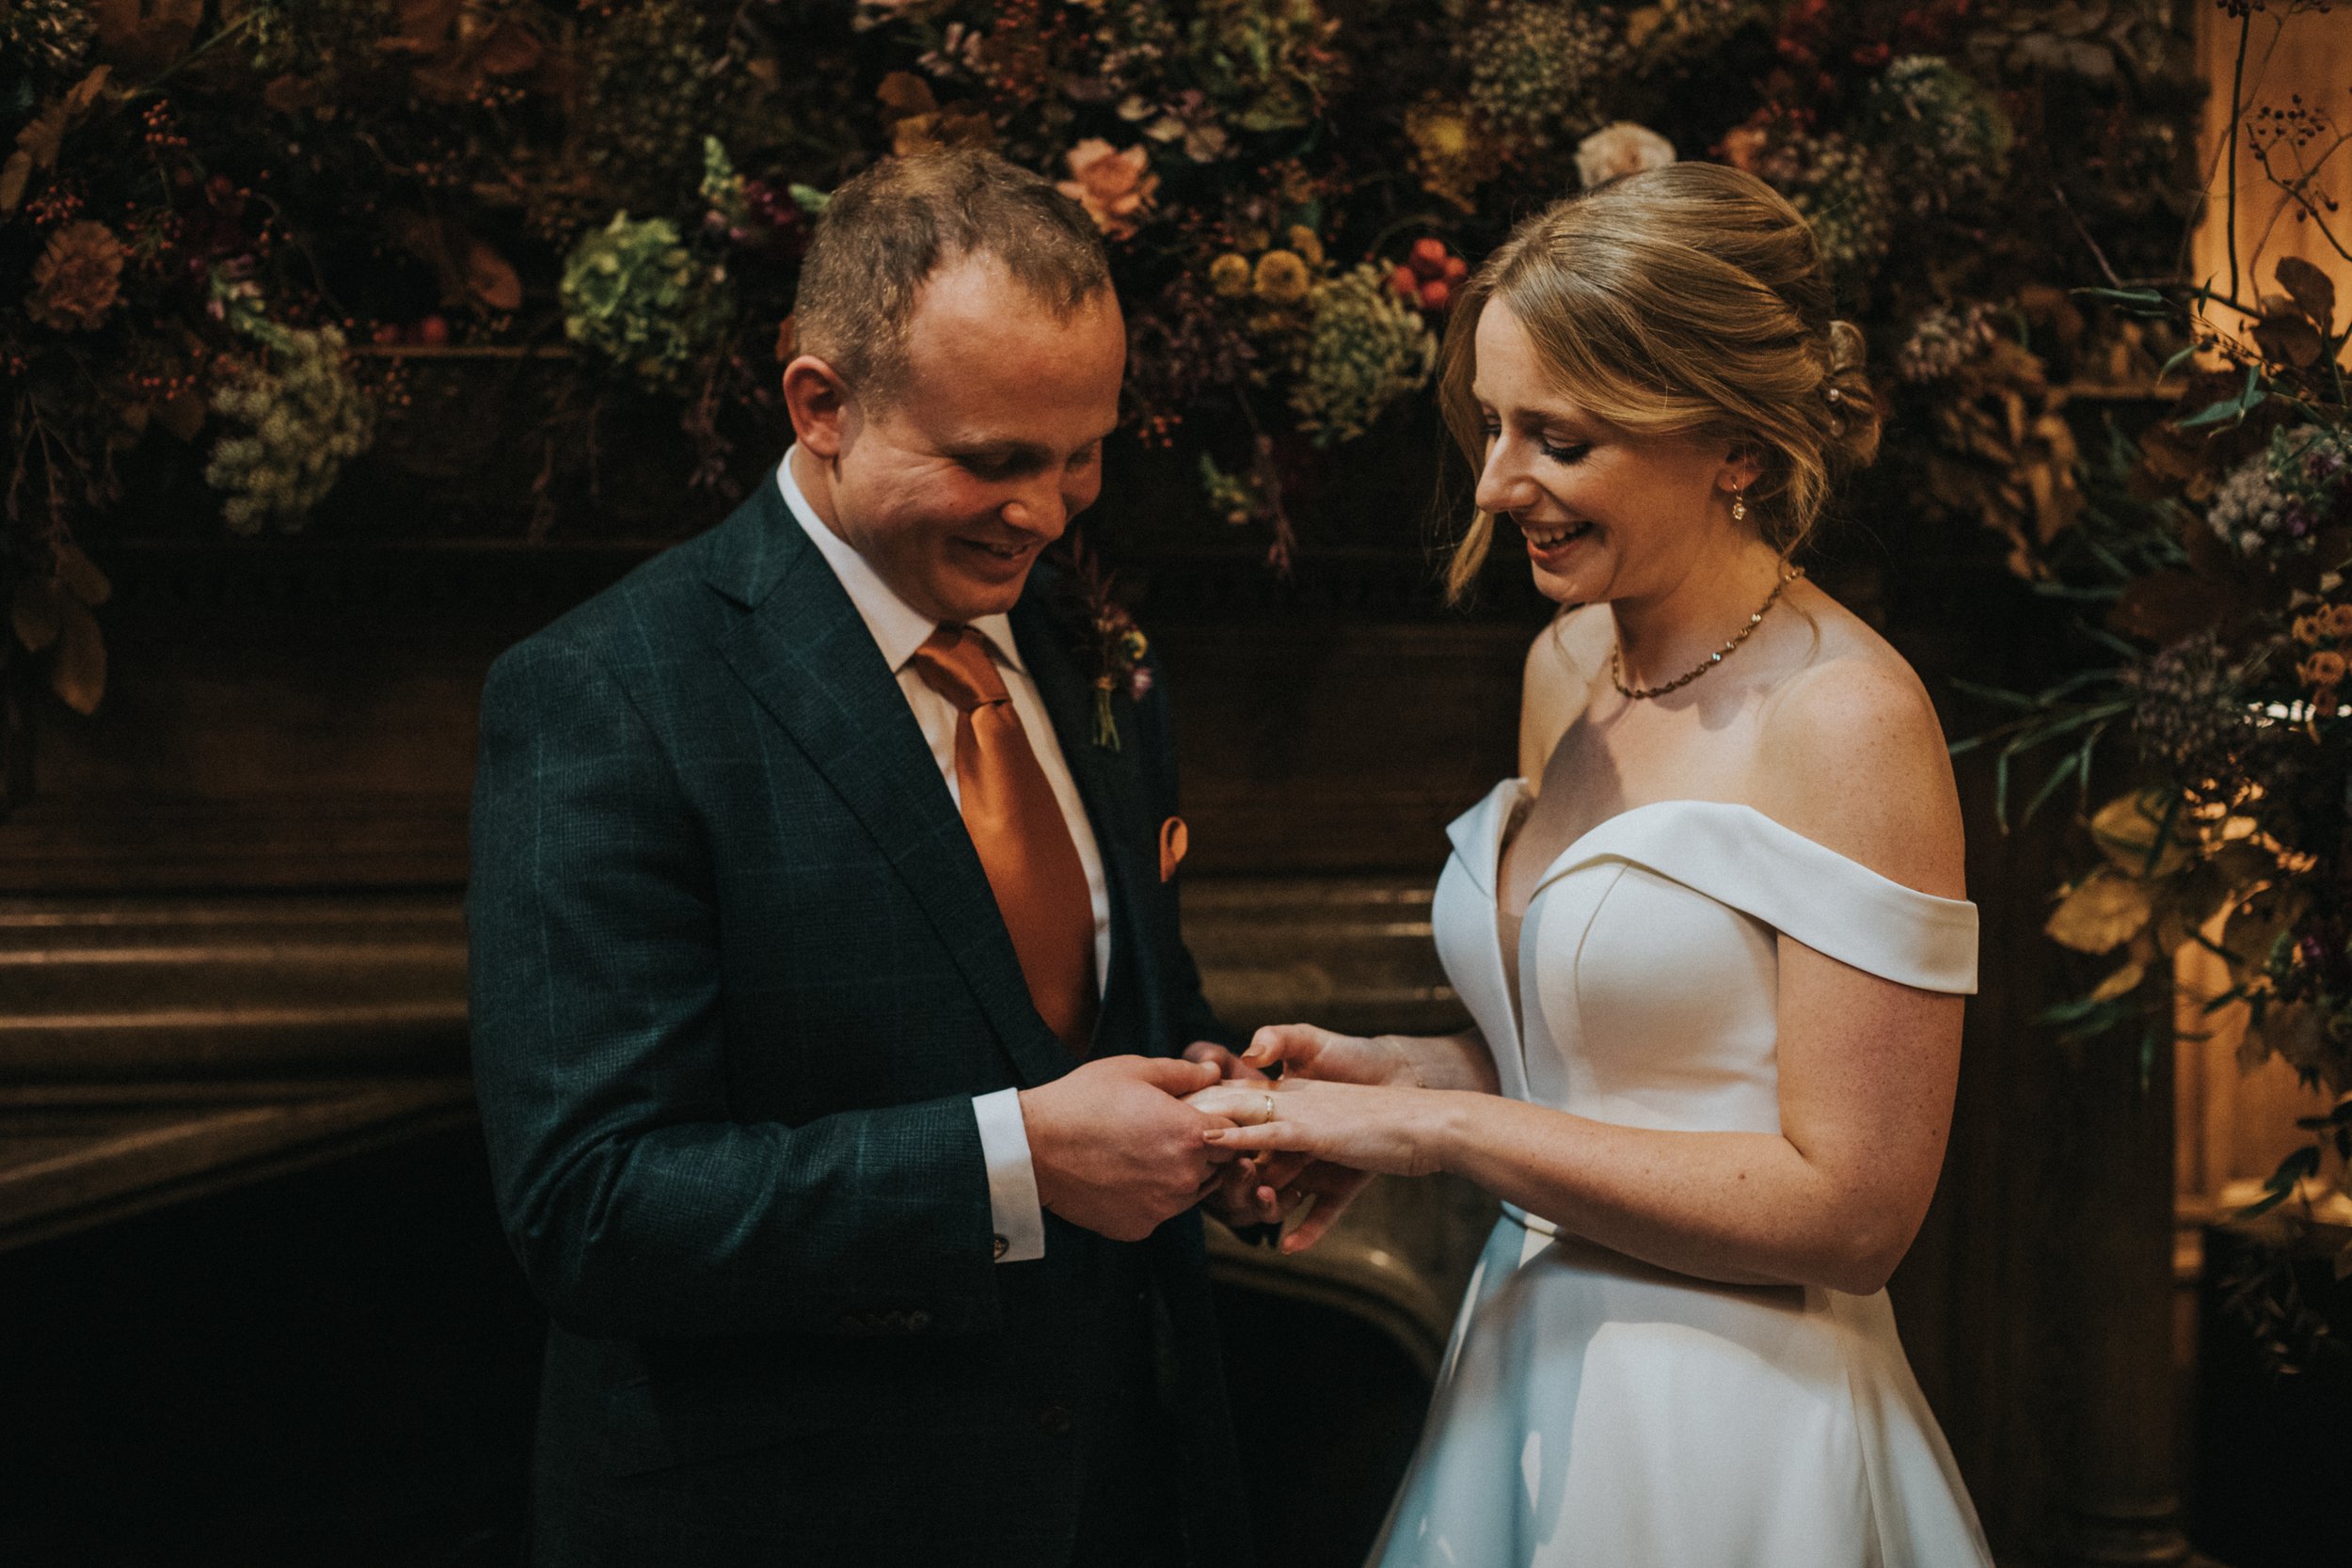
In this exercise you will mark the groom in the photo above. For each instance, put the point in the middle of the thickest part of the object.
(827, 982)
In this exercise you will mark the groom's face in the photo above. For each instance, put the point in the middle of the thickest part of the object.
(951, 488)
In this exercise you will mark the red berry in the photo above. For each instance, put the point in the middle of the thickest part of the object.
(433, 332)
(385, 332)
(1405, 283)
(1435, 294)
(1455, 269)
(1428, 256)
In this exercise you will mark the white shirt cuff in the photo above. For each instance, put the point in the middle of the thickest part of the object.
(1012, 1204)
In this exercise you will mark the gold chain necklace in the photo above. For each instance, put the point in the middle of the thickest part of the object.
(1787, 576)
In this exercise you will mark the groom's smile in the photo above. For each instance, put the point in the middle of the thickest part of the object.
(953, 482)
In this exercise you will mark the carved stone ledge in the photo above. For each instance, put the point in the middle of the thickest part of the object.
(72, 1156)
(180, 989)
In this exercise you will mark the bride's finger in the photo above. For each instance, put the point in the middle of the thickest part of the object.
(1284, 1042)
(1260, 1137)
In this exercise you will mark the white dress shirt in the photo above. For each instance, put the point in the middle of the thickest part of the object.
(899, 629)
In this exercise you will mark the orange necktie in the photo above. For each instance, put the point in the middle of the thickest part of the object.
(1022, 836)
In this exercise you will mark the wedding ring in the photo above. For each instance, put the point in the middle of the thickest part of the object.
(1270, 1111)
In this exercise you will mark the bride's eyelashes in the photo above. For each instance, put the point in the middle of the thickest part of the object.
(1573, 452)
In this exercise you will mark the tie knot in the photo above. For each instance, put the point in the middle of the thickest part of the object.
(954, 661)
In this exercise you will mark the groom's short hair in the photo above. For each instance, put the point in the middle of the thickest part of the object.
(886, 231)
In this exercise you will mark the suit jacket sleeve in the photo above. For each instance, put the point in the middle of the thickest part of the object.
(635, 1203)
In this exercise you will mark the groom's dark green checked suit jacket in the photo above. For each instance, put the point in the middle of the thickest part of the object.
(736, 976)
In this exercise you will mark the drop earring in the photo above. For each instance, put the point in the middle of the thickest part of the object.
(1739, 506)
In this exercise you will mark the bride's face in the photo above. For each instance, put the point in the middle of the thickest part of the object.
(1604, 513)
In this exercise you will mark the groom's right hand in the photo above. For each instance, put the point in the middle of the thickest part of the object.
(1115, 1150)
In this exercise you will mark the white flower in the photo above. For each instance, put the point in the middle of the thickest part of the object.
(1615, 150)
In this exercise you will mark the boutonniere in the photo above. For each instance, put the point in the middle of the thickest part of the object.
(1112, 643)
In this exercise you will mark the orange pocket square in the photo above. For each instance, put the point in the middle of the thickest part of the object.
(1175, 840)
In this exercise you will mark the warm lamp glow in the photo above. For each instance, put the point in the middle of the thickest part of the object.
(2291, 62)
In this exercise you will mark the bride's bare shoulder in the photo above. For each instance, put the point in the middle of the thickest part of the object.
(1560, 665)
(1852, 754)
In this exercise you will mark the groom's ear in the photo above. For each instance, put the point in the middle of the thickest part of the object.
(819, 403)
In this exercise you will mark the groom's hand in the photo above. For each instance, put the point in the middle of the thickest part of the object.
(1115, 1150)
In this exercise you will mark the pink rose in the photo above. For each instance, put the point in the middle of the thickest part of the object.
(1114, 186)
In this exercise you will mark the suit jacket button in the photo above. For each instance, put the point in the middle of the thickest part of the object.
(1003, 1246)
(1057, 1418)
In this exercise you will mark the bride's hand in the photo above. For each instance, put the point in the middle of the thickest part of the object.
(1383, 1131)
(1307, 1051)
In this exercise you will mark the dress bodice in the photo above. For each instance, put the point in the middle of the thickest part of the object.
(1648, 958)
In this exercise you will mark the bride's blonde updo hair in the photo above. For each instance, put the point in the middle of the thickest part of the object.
(1684, 300)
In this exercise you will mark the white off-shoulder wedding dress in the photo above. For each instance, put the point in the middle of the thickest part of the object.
(1592, 1409)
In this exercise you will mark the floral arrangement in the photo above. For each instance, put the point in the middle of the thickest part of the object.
(229, 229)
(2217, 546)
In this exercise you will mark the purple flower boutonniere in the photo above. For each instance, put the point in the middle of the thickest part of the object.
(1113, 643)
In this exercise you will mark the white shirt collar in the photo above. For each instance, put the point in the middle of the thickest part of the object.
(898, 626)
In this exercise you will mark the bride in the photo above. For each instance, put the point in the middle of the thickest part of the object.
(1713, 939)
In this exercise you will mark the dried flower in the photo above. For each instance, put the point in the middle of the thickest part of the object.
(1843, 192)
(1229, 276)
(49, 35)
(1944, 341)
(1365, 348)
(1942, 135)
(1269, 64)
(78, 278)
(1281, 279)
(1449, 155)
(2188, 710)
(1619, 150)
(1745, 148)
(1181, 348)
(307, 418)
(2280, 497)
(1115, 187)
(1533, 64)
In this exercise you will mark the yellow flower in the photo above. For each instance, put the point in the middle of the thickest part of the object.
(1448, 154)
(2342, 616)
(2325, 668)
(2310, 628)
(1229, 276)
(1304, 242)
(1282, 278)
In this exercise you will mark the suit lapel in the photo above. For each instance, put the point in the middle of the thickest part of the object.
(809, 660)
(1106, 786)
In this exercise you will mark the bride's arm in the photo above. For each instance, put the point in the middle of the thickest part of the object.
(1866, 1067)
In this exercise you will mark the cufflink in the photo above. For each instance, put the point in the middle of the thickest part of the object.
(1003, 1246)
(1175, 838)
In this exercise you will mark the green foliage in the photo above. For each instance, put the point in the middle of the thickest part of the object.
(633, 292)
